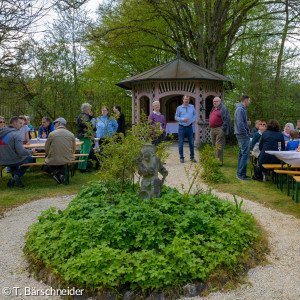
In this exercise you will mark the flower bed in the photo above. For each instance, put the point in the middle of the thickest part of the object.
(121, 242)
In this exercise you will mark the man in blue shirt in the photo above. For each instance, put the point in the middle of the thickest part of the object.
(186, 117)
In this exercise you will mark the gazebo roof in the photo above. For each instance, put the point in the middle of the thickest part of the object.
(177, 69)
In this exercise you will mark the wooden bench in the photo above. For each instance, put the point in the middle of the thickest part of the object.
(43, 156)
(297, 181)
(273, 167)
(288, 174)
(67, 168)
(279, 166)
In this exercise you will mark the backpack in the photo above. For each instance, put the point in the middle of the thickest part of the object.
(257, 174)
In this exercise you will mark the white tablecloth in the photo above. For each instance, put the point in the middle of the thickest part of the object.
(43, 141)
(173, 128)
(36, 141)
(289, 157)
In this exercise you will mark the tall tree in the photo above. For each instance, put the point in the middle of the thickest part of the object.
(205, 29)
(16, 20)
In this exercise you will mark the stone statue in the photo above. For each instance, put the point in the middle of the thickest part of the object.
(148, 167)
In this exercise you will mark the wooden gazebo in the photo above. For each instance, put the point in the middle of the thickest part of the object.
(168, 83)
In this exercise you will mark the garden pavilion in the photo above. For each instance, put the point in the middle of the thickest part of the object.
(167, 84)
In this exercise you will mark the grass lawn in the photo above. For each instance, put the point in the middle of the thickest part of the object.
(265, 193)
(38, 184)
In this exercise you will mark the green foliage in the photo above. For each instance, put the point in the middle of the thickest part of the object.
(238, 206)
(211, 171)
(139, 244)
(118, 154)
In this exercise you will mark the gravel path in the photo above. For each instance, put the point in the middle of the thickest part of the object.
(278, 280)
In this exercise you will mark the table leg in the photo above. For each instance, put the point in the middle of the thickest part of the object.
(67, 174)
(296, 196)
(288, 184)
(292, 188)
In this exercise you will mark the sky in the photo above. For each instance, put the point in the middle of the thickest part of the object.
(41, 25)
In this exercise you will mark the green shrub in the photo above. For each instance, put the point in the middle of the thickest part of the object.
(211, 166)
(118, 159)
(139, 244)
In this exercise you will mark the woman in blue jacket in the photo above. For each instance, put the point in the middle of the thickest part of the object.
(105, 124)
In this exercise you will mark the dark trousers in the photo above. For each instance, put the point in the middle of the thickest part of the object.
(158, 139)
(15, 169)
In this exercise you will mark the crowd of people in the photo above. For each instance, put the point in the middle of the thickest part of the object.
(60, 143)
(265, 137)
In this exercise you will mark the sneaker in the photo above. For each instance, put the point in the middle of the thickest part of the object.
(62, 178)
(182, 160)
(193, 160)
(11, 182)
(18, 181)
(242, 178)
(55, 177)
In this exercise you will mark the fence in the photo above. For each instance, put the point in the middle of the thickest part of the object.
(69, 107)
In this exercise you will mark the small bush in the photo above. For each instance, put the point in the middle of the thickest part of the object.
(139, 244)
(211, 171)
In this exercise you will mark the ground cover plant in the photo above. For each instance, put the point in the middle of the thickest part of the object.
(122, 242)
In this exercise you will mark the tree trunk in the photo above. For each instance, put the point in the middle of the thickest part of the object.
(279, 58)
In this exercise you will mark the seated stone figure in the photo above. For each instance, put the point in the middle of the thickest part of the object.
(148, 167)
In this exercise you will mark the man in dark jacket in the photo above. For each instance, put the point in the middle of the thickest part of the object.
(120, 119)
(219, 123)
(45, 129)
(242, 132)
(84, 122)
(12, 152)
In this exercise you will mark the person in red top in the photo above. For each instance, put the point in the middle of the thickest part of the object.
(219, 123)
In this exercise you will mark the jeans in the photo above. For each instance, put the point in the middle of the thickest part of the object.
(244, 155)
(182, 132)
(15, 169)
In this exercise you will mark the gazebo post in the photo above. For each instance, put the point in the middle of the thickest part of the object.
(197, 107)
(156, 89)
(133, 106)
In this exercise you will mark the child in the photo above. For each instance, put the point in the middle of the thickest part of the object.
(294, 143)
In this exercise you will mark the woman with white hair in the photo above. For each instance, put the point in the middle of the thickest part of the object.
(84, 123)
(157, 119)
(286, 132)
(31, 130)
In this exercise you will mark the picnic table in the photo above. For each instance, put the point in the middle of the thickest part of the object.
(42, 145)
(289, 157)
